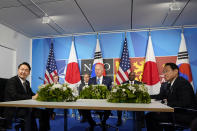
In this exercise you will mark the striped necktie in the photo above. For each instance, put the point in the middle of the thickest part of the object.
(98, 81)
(24, 86)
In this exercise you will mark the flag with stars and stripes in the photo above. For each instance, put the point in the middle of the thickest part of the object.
(97, 59)
(125, 65)
(183, 61)
(51, 68)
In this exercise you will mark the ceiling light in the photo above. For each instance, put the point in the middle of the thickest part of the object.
(173, 6)
(46, 19)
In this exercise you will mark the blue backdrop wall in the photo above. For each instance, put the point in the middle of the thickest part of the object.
(165, 43)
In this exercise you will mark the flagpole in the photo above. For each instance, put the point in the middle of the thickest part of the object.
(182, 29)
(73, 38)
(51, 40)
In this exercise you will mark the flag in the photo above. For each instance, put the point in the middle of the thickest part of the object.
(124, 66)
(150, 75)
(51, 68)
(72, 72)
(183, 61)
(97, 59)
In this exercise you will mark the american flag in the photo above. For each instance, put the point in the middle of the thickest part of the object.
(125, 65)
(51, 68)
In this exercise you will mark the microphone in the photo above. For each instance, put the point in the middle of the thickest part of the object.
(40, 78)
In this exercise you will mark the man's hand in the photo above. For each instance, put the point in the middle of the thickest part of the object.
(164, 101)
(35, 96)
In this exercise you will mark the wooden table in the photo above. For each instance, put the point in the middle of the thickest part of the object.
(91, 104)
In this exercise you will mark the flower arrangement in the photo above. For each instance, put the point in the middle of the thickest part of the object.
(127, 93)
(94, 92)
(55, 93)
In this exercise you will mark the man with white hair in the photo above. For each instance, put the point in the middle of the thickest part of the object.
(99, 79)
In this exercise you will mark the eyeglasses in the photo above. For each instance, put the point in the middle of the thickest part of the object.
(25, 70)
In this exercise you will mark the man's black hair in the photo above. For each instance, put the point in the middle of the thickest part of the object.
(25, 63)
(173, 66)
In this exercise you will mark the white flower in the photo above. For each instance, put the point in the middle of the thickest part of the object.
(114, 90)
(85, 87)
(133, 90)
(123, 90)
(56, 86)
(131, 87)
(64, 88)
(42, 86)
(75, 92)
(142, 88)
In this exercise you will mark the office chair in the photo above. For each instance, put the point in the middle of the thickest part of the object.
(175, 124)
(19, 122)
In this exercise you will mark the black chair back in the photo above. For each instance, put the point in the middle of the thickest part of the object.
(3, 82)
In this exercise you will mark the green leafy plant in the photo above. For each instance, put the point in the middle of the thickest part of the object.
(55, 93)
(94, 92)
(127, 93)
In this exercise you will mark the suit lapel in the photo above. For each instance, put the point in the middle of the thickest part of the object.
(95, 81)
(104, 82)
(21, 85)
(173, 85)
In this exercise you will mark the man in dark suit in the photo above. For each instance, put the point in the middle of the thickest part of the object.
(84, 83)
(130, 81)
(180, 94)
(99, 79)
(18, 88)
(164, 90)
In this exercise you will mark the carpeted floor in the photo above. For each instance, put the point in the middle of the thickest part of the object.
(75, 125)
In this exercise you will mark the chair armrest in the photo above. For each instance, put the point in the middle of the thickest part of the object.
(185, 110)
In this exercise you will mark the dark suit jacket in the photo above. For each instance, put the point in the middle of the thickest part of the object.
(135, 82)
(14, 90)
(106, 81)
(164, 90)
(181, 94)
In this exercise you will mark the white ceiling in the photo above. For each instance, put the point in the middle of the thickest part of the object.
(81, 16)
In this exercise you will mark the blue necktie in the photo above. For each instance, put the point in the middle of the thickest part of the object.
(98, 81)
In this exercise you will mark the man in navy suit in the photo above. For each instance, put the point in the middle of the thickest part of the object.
(130, 81)
(181, 94)
(84, 83)
(99, 79)
(18, 88)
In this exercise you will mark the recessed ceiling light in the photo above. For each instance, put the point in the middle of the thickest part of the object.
(46, 19)
(173, 6)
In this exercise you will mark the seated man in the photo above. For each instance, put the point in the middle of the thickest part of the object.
(130, 81)
(18, 88)
(180, 94)
(164, 90)
(86, 78)
(99, 79)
